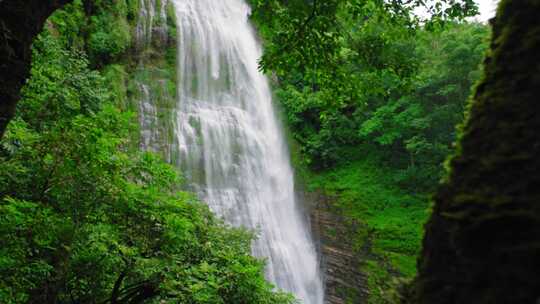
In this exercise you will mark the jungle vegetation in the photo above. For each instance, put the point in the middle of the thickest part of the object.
(371, 96)
(85, 216)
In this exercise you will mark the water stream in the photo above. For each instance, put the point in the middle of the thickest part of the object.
(232, 147)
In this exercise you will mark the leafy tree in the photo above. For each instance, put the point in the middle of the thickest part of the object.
(307, 33)
(373, 109)
(421, 124)
(384, 80)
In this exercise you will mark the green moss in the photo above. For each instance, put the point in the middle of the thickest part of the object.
(378, 279)
(116, 77)
(132, 7)
(157, 20)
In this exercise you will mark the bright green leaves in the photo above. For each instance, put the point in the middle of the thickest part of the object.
(100, 28)
(388, 83)
(306, 34)
(109, 34)
(62, 84)
(31, 233)
(87, 219)
(325, 104)
(305, 31)
(110, 37)
(392, 121)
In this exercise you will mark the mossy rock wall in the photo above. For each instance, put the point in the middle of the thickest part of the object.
(151, 87)
(482, 243)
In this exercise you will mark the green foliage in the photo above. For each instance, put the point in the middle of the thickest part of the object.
(100, 28)
(171, 22)
(116, 77)
(359, 78)
(326, 105)
(87, 219)
(133, 10)
(355, 73)
(69, 24)
(306, 34)
(422, 123)
(110, 36)
(389, 221)
(61, 86)
(387, 84)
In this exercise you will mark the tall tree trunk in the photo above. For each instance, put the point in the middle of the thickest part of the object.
(20, 22)
(482, 243)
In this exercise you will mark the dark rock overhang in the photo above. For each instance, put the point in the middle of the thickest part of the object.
(20, 22)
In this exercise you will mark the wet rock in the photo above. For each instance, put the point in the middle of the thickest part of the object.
(344, 282)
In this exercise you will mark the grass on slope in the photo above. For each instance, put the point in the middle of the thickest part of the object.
(391, 220)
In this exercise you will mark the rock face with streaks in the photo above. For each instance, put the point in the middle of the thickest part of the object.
(154, 77)
(152, 27)
(344, 281)
(20, 22)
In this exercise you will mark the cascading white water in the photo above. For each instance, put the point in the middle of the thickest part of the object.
(232, 148)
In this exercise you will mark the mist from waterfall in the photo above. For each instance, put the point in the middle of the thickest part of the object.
(232, 147)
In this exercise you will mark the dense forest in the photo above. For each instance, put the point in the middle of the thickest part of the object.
(374, 121)
(417, 133)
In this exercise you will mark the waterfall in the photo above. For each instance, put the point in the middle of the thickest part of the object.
(232, 148)
(152, 22)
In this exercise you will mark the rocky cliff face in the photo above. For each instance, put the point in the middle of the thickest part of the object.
(152, 26)
(20, 22)
(153, 81)
(344, 281)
